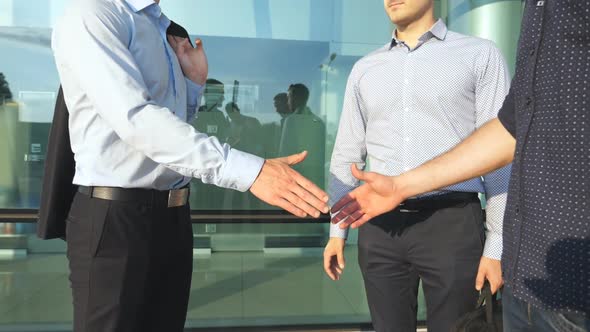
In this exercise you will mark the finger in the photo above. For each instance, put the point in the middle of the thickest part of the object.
(289, 207)
(312, 188)
(308, 198)
(496, 284)
(357, 215)
(340, 257)
(198, 43)
(327, 269)
(301, 203)
(345, 212)
(479, 280)
(363, 220)
(335, 272)
(293, 159)
(352, 218)
(334, 265)
(184, 43)
(172, 42)
(342, 202)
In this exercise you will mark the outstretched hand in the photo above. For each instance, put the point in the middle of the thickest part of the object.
(379, 194)
(280, 185)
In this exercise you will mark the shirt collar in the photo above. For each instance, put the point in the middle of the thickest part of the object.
(139, 5)
(438, 30)
(150, 6)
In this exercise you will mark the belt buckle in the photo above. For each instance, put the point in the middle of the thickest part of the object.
(177, 197)
(406, 210)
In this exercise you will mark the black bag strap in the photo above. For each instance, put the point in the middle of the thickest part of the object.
(488, 300)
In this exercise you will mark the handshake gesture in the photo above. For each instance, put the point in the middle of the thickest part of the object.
(379, 194)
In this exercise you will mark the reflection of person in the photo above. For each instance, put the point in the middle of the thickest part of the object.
(302, 129)
(281, 104)
(210, 118)
(541, 127)
(297, 98)
(130, 92)
(406, 103)
(244, 133)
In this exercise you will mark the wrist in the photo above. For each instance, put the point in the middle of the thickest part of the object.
(195, 78)
(402, 186)
(337, 240)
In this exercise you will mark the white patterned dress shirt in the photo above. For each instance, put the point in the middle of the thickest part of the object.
(405, 107)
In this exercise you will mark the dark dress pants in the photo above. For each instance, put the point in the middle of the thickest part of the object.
(130, 265)
(442, 248)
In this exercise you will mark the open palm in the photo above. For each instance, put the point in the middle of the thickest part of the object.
(379, 194)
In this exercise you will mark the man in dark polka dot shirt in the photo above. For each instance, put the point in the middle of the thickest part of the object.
(544, 129)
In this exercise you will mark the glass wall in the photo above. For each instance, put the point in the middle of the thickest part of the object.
(278, 71)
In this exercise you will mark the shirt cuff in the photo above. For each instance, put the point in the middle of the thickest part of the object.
(193, 93)
(241, 170)
(493, 246)
(336, 231)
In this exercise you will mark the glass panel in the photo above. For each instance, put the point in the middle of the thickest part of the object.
(245, 274)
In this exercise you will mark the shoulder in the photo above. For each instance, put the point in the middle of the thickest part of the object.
(92, 14)
(476, 45)
(368, 61)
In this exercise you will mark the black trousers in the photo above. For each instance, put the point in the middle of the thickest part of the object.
(441, 247)
(130, 265)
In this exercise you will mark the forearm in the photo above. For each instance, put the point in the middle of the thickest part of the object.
(487, 149)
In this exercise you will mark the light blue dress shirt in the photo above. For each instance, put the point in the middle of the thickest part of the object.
(129, 103)
(404, 107)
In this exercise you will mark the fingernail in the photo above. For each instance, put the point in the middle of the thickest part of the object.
(316, 214)
(341, 266)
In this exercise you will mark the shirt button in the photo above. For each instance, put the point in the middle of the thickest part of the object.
(406, 81)
(532, 52)
(529, 100)
(406, 110)
(406, 169)
(407, 139)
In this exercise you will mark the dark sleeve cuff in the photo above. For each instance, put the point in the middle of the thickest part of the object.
(507, 114)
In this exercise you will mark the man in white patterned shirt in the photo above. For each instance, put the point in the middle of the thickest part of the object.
(406, 103)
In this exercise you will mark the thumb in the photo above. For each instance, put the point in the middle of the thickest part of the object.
(340, 257)
(198, 43)
(357, 173)
(294, 159)
(479, 280)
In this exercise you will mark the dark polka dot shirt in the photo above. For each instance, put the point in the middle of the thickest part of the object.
(546, 257)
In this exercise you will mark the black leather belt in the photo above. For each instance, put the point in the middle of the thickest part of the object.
(169, 198)
(436, 202)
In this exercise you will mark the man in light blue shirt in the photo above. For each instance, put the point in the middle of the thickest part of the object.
(130, 90)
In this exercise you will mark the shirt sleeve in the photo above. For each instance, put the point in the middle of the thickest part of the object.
(492, 86)
(92, 44)
(349, 148)
(194, 92)
(507, 114)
